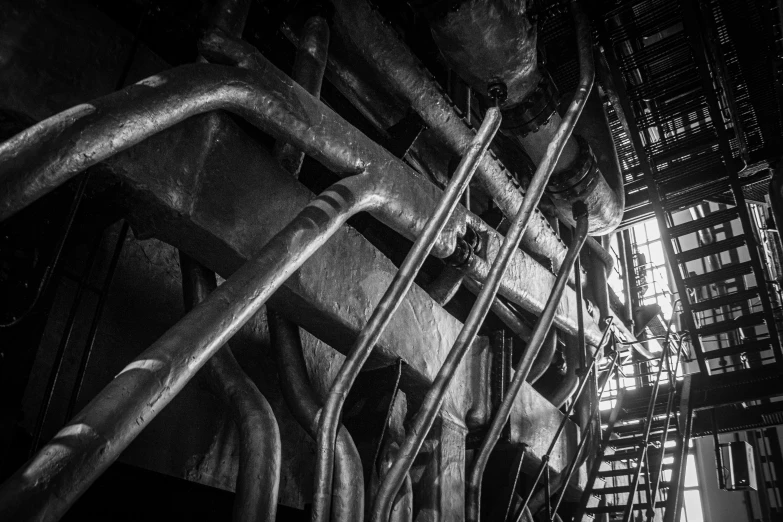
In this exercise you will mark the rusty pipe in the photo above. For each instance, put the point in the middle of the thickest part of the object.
(522, 369)
(401, 72)
(348, 502)
(258, 478)
(385, 309)
(434, 398)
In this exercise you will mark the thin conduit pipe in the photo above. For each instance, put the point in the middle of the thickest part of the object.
(540, 331)
(521, 330)
(348, 501)
(260, 461)
(435, 395)
(403, 280)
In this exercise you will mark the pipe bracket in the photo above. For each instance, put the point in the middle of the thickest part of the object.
(579, 178)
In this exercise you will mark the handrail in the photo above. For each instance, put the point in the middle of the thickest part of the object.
(649, 421)
(669, 408)
(402, 282)
(544, 466)
(436, 394)
(585, 438)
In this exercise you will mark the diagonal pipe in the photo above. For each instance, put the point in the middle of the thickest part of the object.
(434, 398)
(522, 370)
(260, 461)
(402, 282)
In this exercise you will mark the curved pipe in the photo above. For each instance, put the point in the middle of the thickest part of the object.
(544, 359)
(489, 42)
(258, 478)
(39, 159)
(522, 370)
(348, 499)
(557, 388)
(435, 395)
(375, 40)
(402, 510)
(402, 282)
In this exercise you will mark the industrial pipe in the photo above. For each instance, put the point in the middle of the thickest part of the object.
(39, 159)
(435, 395)
(522, 369)
(258, 478)
(348, 500)
(492, 45)
(376, 42)
(48, 154)
(308, 71)
(385, 309)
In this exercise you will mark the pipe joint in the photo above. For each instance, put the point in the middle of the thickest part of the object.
(579, 178)
(535, 110)
(467, 246)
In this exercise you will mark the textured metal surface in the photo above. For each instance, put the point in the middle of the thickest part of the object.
(488, 42)
(258, 477)
(402, 73)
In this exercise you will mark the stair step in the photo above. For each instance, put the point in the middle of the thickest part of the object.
(635, 429)
(624, 472)
(600, 510)
(708, 221)
(751, 347)
(711, 249)
(724, 274)
(744, 321)
(696, 195)
(724, 300)
(625, 489)
(628, 454)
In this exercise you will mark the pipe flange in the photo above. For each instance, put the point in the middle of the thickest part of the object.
(467, 246)
(535, 110)
(579, 178)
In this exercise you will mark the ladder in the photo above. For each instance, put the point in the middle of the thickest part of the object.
(662, 74)
(638, 460)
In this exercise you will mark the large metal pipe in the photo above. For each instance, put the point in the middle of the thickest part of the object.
(53, 151)
(258, 478)
(48, 154)
(434, 398)
(376, 41)
(522, 370)
(491, 45)
(383, 312)
(348, 500)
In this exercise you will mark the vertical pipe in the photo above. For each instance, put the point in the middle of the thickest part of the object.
(258, 478)
(435, 396)
(383, 312)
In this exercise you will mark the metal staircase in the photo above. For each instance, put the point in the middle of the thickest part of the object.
(686, 141)
(641, 447)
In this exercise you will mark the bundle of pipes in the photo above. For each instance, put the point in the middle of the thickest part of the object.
(492, 45)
